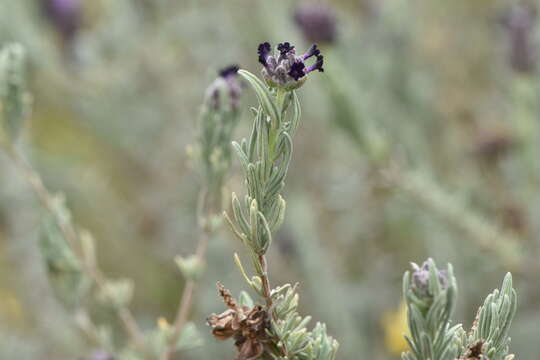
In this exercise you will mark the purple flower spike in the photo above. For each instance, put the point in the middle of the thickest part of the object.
(285, 48)
(297, 70)
(264, 51)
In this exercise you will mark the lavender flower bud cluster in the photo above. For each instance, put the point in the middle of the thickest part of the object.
(286, 69)
(430, 295)
(226, 89)
(421, 277)
(317, 23)
(219, 117)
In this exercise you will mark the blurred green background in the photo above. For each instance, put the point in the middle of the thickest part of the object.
(420, 139)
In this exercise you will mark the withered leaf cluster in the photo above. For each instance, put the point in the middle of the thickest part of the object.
(475, 352)
(247, 326)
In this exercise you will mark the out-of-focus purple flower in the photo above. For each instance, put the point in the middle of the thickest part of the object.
(101, 355)
(227, 83)
(520, 21)
(287, 69)
(317, 22)
(420, 279)
(492, 144)
(65, 15)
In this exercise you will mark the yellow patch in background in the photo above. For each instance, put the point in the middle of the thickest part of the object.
(394, 324)
(11, 311)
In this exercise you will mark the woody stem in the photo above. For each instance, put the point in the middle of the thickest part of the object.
(71, 237)
(265, 282)
(186, 299)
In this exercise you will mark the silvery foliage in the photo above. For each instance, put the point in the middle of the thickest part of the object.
(430, 304)
(66, 276)
(290, 328)
(13, 96)
(69, 252)
(219, 117)
(493, 321)
(431, 296)
(265, 157)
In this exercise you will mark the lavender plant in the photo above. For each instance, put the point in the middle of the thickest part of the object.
(219, 117)
(431, 296)
(69, 252)
(273, 329)
(76, 287)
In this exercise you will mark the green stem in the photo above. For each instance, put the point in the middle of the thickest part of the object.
(266, 283)
(280, 99)
(275, 126)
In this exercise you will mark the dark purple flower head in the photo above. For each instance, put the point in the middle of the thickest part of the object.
(297, 70)
(65, 15)
(317, 22)
(228, 71)
(264, 51)
(226, 84)
(285, 48)
(520, 22)
(287, 69)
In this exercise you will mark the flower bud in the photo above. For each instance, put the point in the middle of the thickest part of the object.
(224, 93)
(422, 276)
(191, 267)
(117, 293)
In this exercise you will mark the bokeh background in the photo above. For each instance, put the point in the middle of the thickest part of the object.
(420, 139)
